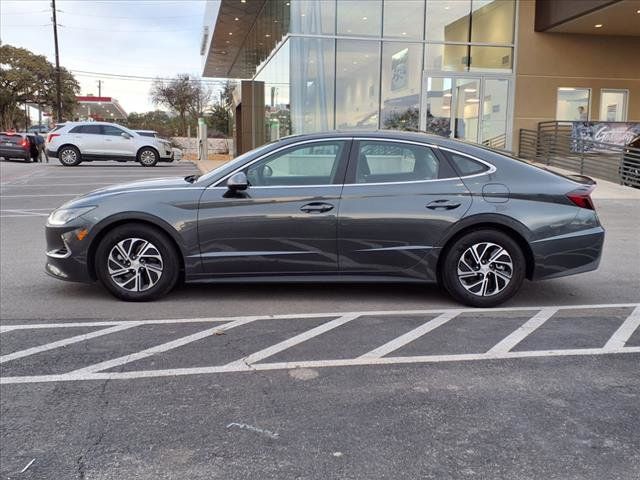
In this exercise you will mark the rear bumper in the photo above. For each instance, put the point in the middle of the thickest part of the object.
(52, 153)
(14, 153)
(568, 254)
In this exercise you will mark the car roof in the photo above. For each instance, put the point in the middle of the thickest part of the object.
(421, 137)
(146, 131)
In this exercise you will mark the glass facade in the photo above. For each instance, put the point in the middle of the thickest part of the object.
(445, 66)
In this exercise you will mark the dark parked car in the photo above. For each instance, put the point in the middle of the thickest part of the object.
(630, 166)
(336, 207)
(16, 145)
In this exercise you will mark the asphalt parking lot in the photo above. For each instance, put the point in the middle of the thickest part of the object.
(313, 381)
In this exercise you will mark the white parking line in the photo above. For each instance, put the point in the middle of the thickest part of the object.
(67, 341)
(615, 345)
(360, 361)
(393, 313)
(165, 347)
(279, 347)
(411, 335)
(43, 195)
(624, 332)
(521, 333)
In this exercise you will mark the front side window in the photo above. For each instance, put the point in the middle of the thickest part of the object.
(384, 162)
(111, 130)
(315, 164)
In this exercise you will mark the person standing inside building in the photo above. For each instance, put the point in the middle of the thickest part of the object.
(582, 114)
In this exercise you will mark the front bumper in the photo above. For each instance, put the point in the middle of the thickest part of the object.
(569, 254)
(67, 252)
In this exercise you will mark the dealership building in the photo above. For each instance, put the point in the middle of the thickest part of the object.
(478, 70)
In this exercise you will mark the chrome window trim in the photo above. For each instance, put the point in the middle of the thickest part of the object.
(491, 168)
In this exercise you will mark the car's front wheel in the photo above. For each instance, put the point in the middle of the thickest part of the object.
(69, 156)
(137, 263)
(148, 157)
(483, 268)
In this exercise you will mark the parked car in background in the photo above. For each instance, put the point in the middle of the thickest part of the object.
(74, 142)
(630, 166)
(38, 128)
(16, 145)
(156, 135)
(381, 206)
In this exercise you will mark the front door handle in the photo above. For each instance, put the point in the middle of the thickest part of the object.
(443, 204)
(316, 207)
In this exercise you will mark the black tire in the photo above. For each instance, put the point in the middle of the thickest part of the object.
(69, 156)
(170, 263)
(148, 157)
(453, 284)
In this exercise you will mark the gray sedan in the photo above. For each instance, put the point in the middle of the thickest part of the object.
(336, 207)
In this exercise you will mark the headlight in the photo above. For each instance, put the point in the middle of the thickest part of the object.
(62, 216)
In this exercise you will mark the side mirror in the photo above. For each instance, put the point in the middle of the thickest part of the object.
(125, 135)
(238, 182)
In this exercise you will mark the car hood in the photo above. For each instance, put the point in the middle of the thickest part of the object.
(130, 187)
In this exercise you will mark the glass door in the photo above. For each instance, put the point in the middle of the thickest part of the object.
(467, 109)
(475, 109)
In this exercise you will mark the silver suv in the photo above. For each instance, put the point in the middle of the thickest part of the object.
(75, 142)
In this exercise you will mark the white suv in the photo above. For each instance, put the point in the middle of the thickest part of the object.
(74, 142)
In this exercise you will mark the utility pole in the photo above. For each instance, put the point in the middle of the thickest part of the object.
(99, 88)
(58, 81)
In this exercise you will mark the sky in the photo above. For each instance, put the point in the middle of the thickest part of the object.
(149, 38)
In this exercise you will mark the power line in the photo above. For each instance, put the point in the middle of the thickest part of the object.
(143, 78)
(138, 17)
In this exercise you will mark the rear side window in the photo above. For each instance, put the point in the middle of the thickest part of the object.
(465, 165)
(87, 129)
(386, 162)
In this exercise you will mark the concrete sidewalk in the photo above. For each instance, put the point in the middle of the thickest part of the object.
(207, 165)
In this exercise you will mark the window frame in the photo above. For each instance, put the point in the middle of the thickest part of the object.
(589, 101)
(337, 181)
(445, 167)
(625, 109)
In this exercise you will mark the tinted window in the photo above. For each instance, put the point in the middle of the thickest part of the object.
(90, 129)
(146, 134)
(381, 162)
(111, 130)
(467, 166)
(315, 164)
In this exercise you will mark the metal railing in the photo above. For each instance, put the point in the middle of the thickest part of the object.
(553, 145)
(498, 142)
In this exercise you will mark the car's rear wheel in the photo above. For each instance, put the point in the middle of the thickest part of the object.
(137, 263)
(483, 268)
(69, 156)
(148, 157)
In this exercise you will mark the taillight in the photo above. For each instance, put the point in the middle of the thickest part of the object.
(24, 143)
(51, 136)
(582, 197)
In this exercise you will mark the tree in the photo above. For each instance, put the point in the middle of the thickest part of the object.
(160, 121)
(26, 77)
(218, 118)
(184, 95)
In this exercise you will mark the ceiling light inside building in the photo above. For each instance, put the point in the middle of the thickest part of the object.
(364, 19)
(236, 19)
(566, 89)
(470, 90)
(230, 33)
(267, 35)
(598, 25)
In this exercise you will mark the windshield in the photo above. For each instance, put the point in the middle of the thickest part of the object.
(235, 162)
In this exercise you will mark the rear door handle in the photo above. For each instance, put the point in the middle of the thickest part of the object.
(443, 204)
(316, 207)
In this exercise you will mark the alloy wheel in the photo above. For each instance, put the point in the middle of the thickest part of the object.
(135, 264)
(147, 157)
(485, 269)
(68, 156)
